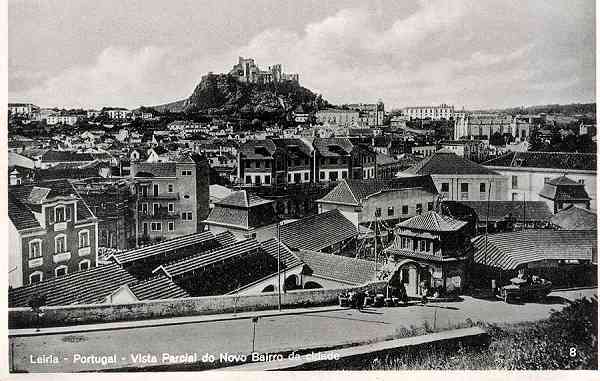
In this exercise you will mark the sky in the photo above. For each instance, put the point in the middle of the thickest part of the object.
(473, 54)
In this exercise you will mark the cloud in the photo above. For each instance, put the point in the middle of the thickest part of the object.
(478, 54)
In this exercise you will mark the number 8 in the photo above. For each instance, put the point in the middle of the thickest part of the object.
(573, 352)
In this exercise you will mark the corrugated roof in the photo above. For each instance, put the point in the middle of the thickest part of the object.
(575, 218)
(195, 262)
(337, 267)
(81, 287)
(509, 250)
(554, 160)
(447, 163)
(318, 231)
(205, 240)
(158, 287)
(433, 221)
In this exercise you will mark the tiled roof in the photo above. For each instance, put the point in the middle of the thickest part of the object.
(226, 216)
(333, 147)
(353, 192)
(394, 250)
(243, 199)
(203, 259)
(507, 251)
(225, 238)
(81, 287)
(554, 160)
(447, 163)
(564, 189)
(258, 149)
(500, 210)
(145, 169)
(287, 257)
(201, 241)
(575, 218)
(20, 215)
(293, 146)
(562, 180)
(433, 221)
(382, 159)
(318, 231)
(337, 267)
(158, 287)
(57, 156)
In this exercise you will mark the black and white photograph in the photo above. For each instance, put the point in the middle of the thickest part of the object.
(300, 185)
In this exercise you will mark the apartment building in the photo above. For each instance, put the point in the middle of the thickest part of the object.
(51, 232)
(172, 197)
(441, 112)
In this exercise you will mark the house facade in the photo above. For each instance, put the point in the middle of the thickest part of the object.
(52, 232)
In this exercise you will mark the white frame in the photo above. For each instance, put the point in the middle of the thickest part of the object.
(89, 263)
(79, 234)
(38, 272)
(39, 241)
(64, 236)
(60, 268)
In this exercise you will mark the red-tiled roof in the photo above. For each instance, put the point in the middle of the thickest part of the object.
(336, 267)
(554, 160)
(447, 163)
(509, 250)
(82, 287)
(575, 218)
(432, 221)
(317, 232)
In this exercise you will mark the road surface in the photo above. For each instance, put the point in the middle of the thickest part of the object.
(129, 347)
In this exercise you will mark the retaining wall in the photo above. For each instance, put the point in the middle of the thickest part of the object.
(206, 305)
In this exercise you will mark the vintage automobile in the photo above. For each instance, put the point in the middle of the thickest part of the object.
(533, 288)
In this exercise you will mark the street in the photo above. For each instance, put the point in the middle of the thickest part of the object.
(137, 346)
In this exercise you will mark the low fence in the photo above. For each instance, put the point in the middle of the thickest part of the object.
(205, 305)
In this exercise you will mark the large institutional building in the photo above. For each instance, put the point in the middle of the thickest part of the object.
(247, 71)
(440, 112)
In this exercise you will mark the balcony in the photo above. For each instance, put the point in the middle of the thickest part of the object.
(60, 226)
(161, 214)
(160, 196)
(83, 251)
(61, 257)
(36, 262)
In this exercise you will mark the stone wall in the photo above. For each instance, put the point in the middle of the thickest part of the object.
(206, 305)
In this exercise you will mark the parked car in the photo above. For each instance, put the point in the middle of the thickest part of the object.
(534, 288)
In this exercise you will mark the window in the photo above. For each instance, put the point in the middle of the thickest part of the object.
(155, 189)
(35, 249)
(482, 187)
(333, 176)
(581, 181)
(419, 208)
(186, 172)
(322, 175)
(464, 187)
(297, 178)
(405, 275)
(515, 182)
(186, 216)
(404, 209)
(186, 196)
(421, 245)
(377, 212)
(515, 196)
(156, 226)
(306, 176)
(36, 277)
(170, 188)
(445, 187)
(84, 265)
(171, 226)
(546, 179)
(247, 163)
(84, 238)
(60, 244)
(289, 177)
(144, 207)
(390, 211)
(61, 270)
(267, 164)
(267, 179)
(248, 180)
(171, 207)
(155, 208)
(344, 174)
(256, 179)
(430, 206)
(62, 214)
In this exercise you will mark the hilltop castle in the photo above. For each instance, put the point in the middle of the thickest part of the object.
(247, 71)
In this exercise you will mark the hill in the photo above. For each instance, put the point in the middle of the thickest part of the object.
(569, 109)
(223, 95)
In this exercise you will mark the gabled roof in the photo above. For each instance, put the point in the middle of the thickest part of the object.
(575, 218)
(204, 259)
(501, 210)
(509, 250)
(317, 232)
(293, 146)
(258, 149)
(554, 160)
(354, 192)
(158, 287)
(81, 287)
(201, 241)
(145, 169)
(20, 215)
(339, 268)
(287, 257)
(444, 162)
(433, 221)
(333, 147)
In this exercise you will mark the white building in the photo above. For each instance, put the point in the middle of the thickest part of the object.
(440, 112)
(69, 120)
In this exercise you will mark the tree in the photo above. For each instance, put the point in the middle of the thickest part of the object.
(497, 139)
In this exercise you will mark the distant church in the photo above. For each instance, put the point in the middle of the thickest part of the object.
(247, 71)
